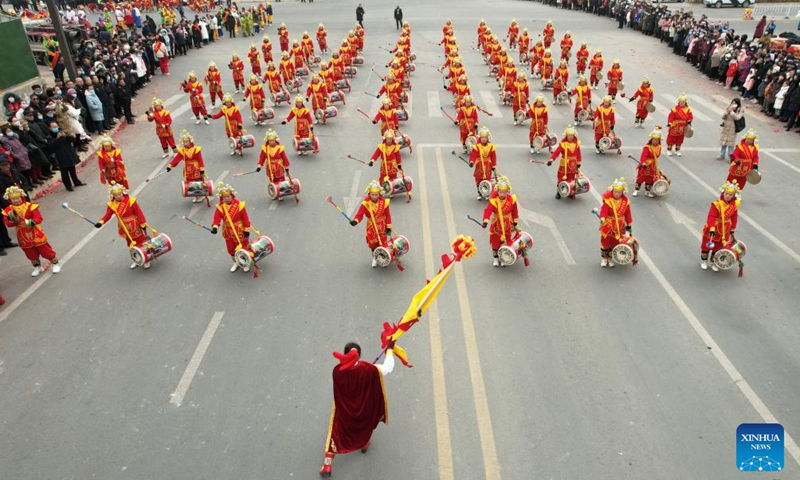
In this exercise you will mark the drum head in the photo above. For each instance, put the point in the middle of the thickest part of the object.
(583, 115)
(552, 139)
(724, 259)
(242, 257)
(386, 189)
(563, 97)
(485, 188)
(538, 143)
(660, 187)
(382, 256)
(622, 254)
(754, 177)
(620, 86)
(272, 190)
(688, 132)
(604, 144)
(520, 117)
(650, 107)
(137, 256)
(543, 83)
(232, 143)
(470, 142)
(563, 189)
(254, 115)
(507, 255)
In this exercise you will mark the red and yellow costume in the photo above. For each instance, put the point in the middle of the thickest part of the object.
(481, 31)
(130, 219)
(744, 159)
(266, 49)
(548, 33)
(307, 46)
(283, 37)
(647, 172)
(233, 219)
(614, 76)
(566, 46)
(237, 69)
(537, 52)
(560, 79)
(582, 56)
(524, 43)
(387, 116)
(195, 91)
(546, 65)
(273, 78)
(214, 80)
(615, 218)
(317, 91)
(723, 216)
(297, 54)
(460, 90)
(502, 215)
(568, 154)
(255, 60)
(644, 95)
(520, 93)
(322, 39)
(537, 112)
(287, 69)
(194, 169)
(109, 160)
(303, 126)
(604, 120)
(513, 31)
(163, 121)
(256, 93)
(233, 117)
(26, 218)
(467, 119)
(273, 155)
(483, 157)
(393, 91)
(379, 217)
(679, 117)
(596, 68)
(584, 94)
(389, 154)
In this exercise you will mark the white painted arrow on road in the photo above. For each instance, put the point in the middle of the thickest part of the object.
(682, 219)
(548, 223)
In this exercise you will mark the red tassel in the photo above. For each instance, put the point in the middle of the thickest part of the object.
(400, 266)
(741, 271)
(255, 270)
(527, 261)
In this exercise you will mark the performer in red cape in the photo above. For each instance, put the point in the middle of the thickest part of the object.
(648, 172)
(232, 216)
(194, 168)
(569, 154)
(130, 218)
(504, 214)
(163, 120)
(379, 221)
(744, 159)
(679, 118)
(26, 218)
(359, 403)
(645, 95)
(110, 163)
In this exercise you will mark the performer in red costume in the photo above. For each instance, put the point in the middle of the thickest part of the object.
(195, 91)
(615, 220)
(679, 118)
(163, 120)
(214, 80)
(232, 216)
(379, 221)
(194, 169)
(537, 112)
(744, 159)
(484, 158)
(648, 172)
(645, 95)
(503, 213)
(27, 219)
(359, 403)
(109, 160)
(273, 155)
(130, 218)
(723, 216)
(604, 121)
(569, 154)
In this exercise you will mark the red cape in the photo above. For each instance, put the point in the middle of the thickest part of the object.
(359, 405)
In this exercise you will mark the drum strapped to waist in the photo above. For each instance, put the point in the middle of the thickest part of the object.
(493, 71)
(661, 185)
(406, 83)
(754, 177)
(336, 96)
(280, 97)
(350, 72)
(254, 252)
(411, 68)
(397, 185)
(546, 140)
(404, 141)
(620, 85)
(583, 115)
(625, 251)
(412, 56)
(306, 144)
(197, 188)
(546, 83)
(508, 254)
(343, 84)
(726, 257)
(505, 96)
(609, 143)
(650, 107)
(470, 142)
(358, 60)
(302, 71)
(296, 83)
(244, 141)
(262, 115)
(520, 116)
(282, 189)
(485, 188)
(397, 247)
(329, 112)
(563, 97)
(402, 114)
(688, 132)
(579, 186)
(151, 249)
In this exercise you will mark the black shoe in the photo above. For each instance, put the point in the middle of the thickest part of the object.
(558, 195)
(11, 245)
(69, 189)
(80, 184)
(3, 253)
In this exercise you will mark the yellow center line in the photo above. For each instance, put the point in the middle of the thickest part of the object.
(444, 447)
(488, 448)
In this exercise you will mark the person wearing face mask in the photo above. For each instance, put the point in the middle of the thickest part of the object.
(60, 144)
(95, 107)
(38, 132)
(19, 154)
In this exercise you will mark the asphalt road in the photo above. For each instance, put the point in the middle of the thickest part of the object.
(562, 370)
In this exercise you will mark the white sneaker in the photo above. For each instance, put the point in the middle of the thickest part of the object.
(36, 271)
(532, 150)
(649, 194)
(196, 200)
(496, 262)
(56, 267)
(146, 265)
(166, 154)
(515, 122)
(374, 262)
(610, 264)
(714, 268)
(207, 122)
(603, 262)
(233, 152)
(704, 265)
(678, 153)
(234, 267)
(246, 269)
(669, 153)
(635, 193)
(133, 265)
(197, 122)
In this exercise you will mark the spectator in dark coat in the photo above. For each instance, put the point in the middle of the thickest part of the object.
(61, 146)
(398, 16)
(123, 98)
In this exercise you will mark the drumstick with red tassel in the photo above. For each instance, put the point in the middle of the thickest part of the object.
(484, 111)
(196, 223)
(357, 159)
(446, 114)
(330, 200)
(291, 182)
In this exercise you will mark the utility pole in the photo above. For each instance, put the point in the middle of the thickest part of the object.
(64, 46)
